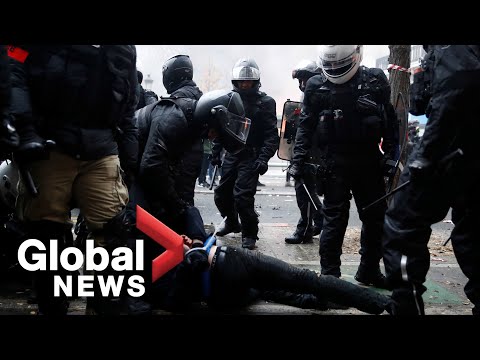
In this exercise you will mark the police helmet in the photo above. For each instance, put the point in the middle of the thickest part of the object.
(304, 70)
(223, 111)
(246, 69)
(175, 70)
(340, 62)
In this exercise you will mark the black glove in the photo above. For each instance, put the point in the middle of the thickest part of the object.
(420, 169)
(296, 171)
(215, 160)
(388, 165)
(9, 139)
(32, 146)
(260, 166)
(196, 260)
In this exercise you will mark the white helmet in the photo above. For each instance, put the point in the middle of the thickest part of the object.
(340, 62)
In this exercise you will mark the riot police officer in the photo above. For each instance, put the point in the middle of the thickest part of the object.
(83, 98)
(166, 132)
(304, 232)
(345, 116)
(444, 173)
(235, 194)
(178, 81)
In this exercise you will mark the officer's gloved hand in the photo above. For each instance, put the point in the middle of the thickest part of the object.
(421, 169)
(260, 166)
(215, 160)
(388, 165)
(32, 146)
(296, 171)
(9, 138)
(197, 260)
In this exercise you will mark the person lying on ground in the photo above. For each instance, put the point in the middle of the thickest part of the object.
(227, 278)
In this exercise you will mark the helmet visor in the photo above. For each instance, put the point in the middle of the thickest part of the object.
(245, 73)
(340, 67)
(235, 128)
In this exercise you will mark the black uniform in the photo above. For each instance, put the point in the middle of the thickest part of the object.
(436, 186)
(304, 231)
(235, 194)
(347, 141)
(191, 163)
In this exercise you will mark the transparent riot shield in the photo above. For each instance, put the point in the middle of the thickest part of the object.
(288, 130)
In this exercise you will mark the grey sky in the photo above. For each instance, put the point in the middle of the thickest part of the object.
(275, 62)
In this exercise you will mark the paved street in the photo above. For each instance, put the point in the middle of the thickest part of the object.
(278, 211)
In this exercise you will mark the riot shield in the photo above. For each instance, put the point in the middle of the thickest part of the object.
(288, 130)
(401, 111)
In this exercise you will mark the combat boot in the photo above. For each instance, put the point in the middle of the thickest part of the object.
(317, 230)
(299, 238)
(248, 243)
(228, 228)
(371, 277)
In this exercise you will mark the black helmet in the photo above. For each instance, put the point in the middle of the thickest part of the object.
(175, 70)
(223, 111)
(246, 69)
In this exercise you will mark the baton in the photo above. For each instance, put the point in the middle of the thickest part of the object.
(308, 193)
(442, 163)
(212, 180)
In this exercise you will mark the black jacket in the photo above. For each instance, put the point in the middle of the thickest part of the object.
(81, 96)
(165, 137)
(261, 110)
(357, 129)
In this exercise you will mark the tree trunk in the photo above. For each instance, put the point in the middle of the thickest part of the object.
(399, 80)
(400, 84)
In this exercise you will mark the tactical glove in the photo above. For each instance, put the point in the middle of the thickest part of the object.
(388, 165)
(296, 171)
(215, 160)
(260, 166)
(32, 146)
(420, 169)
